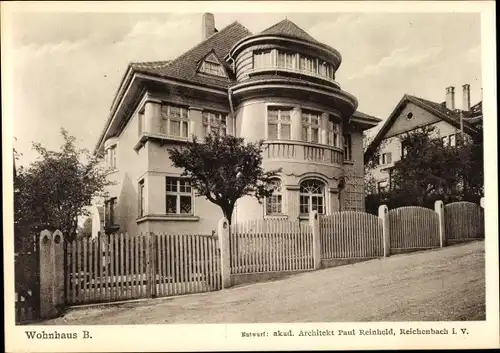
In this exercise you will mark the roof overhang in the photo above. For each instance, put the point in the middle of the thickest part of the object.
(133, 89)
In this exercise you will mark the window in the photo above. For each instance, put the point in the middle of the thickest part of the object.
(109, 211)
(278, 123)
(286, 60)
(141, 199)
(111, 157)
(382, 186)
(404, 149)
(385, 158)
(174, 121)
(214, 122)
(308, 64)
(179, 196)
(347, 147)
(310, 126)
(274, 202)
(262, 59)
(211, 66)
(312, 196)
(333, 134)
(409, 116)
(453, 141)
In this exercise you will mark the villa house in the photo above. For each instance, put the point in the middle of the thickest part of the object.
(278, 85)
(412, 113)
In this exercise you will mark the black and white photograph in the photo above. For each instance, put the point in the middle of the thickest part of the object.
(280, 175)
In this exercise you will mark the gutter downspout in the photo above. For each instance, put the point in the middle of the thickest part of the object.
(233, 119)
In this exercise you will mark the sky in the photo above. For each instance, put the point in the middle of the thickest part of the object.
(68, 66)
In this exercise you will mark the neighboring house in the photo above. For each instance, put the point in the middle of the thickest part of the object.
(278, 85)
(412, 113)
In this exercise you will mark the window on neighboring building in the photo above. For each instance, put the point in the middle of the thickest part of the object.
(347, 147)
(278, 123)
(214, 122)
(274, 202)
(404, 149)
(175, 121)
(142, 201)
(179, 196)
(312, 196)
(310, 126)
(109, 211)
(333, 134)
(286, 59)
(386, 158)
(453, 141)
(262, 59)
(382, 186)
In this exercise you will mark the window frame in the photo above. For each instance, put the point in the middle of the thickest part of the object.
(109, 211)
(210, 124)
(333, 134)
(178, 195)
(167, 118)
(280, 121)
(311, 195)
(309, 125)
(347, 142)
(271, 200)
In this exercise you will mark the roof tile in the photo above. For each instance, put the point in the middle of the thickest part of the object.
(290, 29)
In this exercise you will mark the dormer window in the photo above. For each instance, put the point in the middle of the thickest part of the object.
(212, 66)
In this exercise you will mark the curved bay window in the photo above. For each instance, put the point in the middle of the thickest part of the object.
(312, 196)
(275, 201)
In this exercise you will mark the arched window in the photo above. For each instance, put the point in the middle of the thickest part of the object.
(312, 196)
(275, 201)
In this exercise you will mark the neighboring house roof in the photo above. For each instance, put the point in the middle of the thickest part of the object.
(289, 29)
(185, 66)
(437, 109)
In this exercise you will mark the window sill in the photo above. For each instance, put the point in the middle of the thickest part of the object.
(276, 216)
(165, 217)
(350, 161)
(111, 171)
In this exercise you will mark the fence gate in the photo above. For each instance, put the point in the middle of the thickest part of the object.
(121, 266)
(464, 221)
(27, 285)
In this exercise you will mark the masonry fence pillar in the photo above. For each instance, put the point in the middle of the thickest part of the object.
(51, 273)
(439, 208)
(314, 222)
(225, 265)
(383, 214)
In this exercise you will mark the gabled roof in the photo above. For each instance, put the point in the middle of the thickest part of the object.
(289, 29)
(185, 66)
(437, 109)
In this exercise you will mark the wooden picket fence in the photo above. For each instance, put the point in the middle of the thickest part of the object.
(270, 245)
(413, 227)
(350, 235)
(122, 266)
(463, 221)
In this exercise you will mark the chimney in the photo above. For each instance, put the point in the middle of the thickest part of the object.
(207, 25)
(450, 98)
(466, 97)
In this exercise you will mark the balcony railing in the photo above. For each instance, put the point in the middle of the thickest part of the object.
(303, 152)
(273, 68)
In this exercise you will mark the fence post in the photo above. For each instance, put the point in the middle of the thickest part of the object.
(223, 234)
(59, 280)
(383, 214)
(314, 222)
(439, 208)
